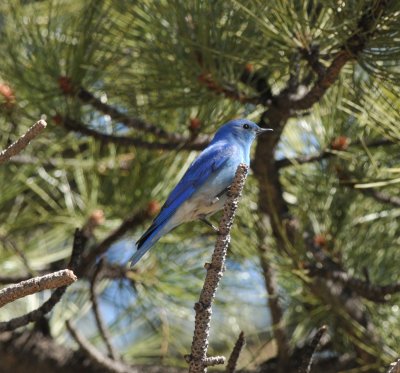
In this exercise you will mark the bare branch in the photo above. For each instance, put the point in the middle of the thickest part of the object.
(73, 125)
(198, 358)
(17, 146)
(237, 349)
(46, 307)
(308, 353)
(34, 285)
(96, 356)
(99, 321)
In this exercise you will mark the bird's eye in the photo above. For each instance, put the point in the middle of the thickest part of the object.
(246, 126)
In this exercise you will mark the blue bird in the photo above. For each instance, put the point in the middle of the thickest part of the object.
(202, 189)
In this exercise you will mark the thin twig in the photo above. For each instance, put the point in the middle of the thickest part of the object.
(96, 356)
(99, 321)
(198, 360)
(34, 285)
(17, 146)
(46, 307)
(309, 351)
(237, 349)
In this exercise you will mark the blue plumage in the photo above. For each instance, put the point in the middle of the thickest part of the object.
(202, 189)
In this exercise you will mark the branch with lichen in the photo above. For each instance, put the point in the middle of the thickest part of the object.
(20, 144)
(35, 315)
(34, 285)
(198, 360)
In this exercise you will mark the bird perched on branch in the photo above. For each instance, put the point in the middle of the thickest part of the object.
(202, 190)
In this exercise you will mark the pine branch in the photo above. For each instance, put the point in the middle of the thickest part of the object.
(136, 123)
(198, 360)
(96, 356)
(308, 353)
(234, 357)
(76, 126)
(17, 146)
(33, 316)
(99, 321)
(366, 27)
(34, 285)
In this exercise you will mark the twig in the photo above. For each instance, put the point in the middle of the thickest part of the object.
(309, 351)
(198, 360)
(96, 356)
(17, 146)
(46, 307)
(237, 349)
(73, 125)
(394, 367)
(100, 324)
(53, 280)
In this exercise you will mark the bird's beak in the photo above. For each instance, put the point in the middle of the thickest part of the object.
(260, 131)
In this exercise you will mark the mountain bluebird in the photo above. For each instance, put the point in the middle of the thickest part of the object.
(202, 189)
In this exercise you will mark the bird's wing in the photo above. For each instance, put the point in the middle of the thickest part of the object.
(208, 163)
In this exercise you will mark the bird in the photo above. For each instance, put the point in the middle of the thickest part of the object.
(202, 191)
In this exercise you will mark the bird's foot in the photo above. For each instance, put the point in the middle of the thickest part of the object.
(215, 229)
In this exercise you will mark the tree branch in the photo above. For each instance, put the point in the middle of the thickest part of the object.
(234, 357)
(78, 246)
(96, 356)
(34, 285)
(17, 146)
(353, 46)
(198, 360)
(137, 123)
(73, 125)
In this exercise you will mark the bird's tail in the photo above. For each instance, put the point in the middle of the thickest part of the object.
(146, 242)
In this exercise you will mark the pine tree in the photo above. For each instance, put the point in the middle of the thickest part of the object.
(131, 92)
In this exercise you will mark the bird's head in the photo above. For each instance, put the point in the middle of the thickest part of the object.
(243, 130)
